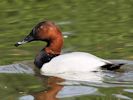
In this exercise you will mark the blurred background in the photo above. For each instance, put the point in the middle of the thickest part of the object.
(101, 27)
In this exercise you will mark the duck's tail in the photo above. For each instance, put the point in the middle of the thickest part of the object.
(109, 66)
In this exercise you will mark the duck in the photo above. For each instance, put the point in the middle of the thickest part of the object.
(50, 60)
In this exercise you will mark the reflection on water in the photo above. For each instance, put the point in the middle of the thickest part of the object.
(52, 92)
(30, 85)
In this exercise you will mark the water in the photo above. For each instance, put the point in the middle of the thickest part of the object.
(27, 84)
(102, 28)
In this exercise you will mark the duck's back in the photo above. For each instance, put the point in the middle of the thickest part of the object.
(73, 62)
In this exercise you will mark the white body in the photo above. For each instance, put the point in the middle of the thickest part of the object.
(73, 62)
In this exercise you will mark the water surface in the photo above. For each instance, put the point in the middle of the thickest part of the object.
(102, 28)
(22, 81)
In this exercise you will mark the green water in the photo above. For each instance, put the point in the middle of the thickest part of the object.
(103, 28)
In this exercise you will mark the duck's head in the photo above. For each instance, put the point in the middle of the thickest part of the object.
(45, 31)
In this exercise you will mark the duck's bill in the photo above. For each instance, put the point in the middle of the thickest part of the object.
(20, 43)
(29, 38)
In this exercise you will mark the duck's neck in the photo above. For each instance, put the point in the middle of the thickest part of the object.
(54, 46)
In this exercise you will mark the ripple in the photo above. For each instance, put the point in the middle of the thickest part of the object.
(120, 96)
(128, 90)
(16, 68)
(27, 97)
(70, 91)
(66, 34)
(64, 22)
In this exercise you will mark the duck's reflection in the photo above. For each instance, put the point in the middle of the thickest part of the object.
(58, 91)
(52, 92)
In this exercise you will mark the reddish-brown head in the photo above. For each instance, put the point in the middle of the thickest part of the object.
(49, 32)
(46, 31)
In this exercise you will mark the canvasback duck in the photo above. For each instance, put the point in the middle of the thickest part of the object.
(49, 59)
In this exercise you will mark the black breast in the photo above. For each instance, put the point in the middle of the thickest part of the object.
(42, 58)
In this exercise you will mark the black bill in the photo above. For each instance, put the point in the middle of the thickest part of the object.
(29, 38)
